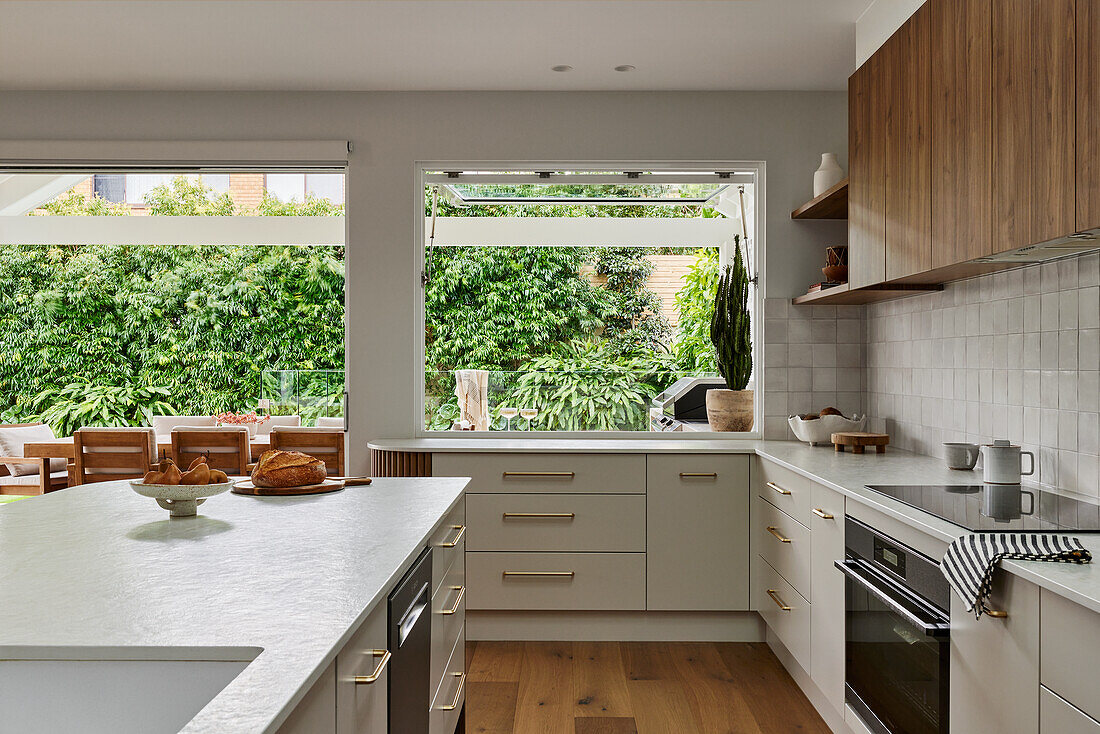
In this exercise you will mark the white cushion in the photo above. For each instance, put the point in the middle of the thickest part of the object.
(12, 439)
(165, 423)
(288, 421)
(31, 480)
(330, 422)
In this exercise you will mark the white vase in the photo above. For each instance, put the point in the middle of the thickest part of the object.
(828, 175)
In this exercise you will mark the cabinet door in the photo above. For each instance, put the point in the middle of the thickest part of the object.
(361, 707)
(995, 662)
(908, 148)
(866, 176)
(316, 713)
(961, 34)
(1088, 122)
(697, 548)
(1034, 102)
(827, 595)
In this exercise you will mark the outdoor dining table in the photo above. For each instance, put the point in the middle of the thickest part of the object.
(62, 448)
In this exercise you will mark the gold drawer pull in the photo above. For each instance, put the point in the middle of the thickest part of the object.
(822, 514)
(778, 602)
(547, 474)
(546, 574)
(384, 660)
(698, 475)
(458, 536)
(458, 601)
(539, 515)
(777, 488)
(458, 694)
(996, 614)
(778, 537)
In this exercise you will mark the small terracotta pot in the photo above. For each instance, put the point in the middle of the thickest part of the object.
(730, 410)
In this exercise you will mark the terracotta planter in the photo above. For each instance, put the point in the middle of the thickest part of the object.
(730, 410)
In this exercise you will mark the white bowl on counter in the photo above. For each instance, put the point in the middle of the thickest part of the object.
(181, 500)
(820, 430)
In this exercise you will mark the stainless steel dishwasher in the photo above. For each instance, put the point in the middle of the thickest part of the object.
(410, 641)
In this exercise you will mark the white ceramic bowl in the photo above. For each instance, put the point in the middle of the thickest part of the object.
(820, 430)
(181, 500)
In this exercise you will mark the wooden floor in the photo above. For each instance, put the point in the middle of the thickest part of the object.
(632, 688)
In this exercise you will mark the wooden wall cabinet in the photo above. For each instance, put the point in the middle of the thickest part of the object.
(867, 175)
(1088, 121)
(961, 40)
(908, 148)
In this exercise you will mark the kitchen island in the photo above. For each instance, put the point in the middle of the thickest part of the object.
(274, 586)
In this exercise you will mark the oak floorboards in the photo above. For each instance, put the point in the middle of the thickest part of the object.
(632, 688)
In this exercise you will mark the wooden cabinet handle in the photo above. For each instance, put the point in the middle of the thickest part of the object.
(822, 514)
(777, 488)
(774, 531)
(539, 515)
(778, 602)
(384, 660)
(458, 601)
(458, 536)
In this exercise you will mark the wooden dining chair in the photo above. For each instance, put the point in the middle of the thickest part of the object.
(326, 444)
(23, 476)
(107, 454)
(225, 447)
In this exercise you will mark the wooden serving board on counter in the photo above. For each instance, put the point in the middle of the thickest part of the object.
(247, 487)
(859, 440)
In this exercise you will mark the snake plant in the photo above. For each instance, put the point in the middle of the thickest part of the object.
(729, 326)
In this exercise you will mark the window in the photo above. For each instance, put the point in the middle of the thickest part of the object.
(111, 187)
(568, 301)
(289, 187)
(132, 188)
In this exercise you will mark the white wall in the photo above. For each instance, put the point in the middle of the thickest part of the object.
(879, 22)
(391, 131)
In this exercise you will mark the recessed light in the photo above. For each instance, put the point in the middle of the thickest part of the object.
(625, 67)
(561, 67)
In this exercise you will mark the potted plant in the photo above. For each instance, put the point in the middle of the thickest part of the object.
(731, 409)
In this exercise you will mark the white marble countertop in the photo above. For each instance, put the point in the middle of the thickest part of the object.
(100, 566)
(844, 472)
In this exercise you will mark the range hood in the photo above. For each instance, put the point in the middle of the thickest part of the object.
(1071, 246)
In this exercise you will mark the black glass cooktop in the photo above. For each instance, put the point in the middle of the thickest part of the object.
(998, 507)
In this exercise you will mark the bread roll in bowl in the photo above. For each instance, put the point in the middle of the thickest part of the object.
(278, 468)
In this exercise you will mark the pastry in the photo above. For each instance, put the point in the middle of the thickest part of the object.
(278, 468)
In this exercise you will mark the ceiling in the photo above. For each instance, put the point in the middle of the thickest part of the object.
(427, 44)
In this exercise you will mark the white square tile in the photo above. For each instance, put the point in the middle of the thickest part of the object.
(799, 331)
(1067, 350)
(1088, 305)
(823, 331)
(1015, 315)
(1067, 309)
(1088, 269)
(1031, 396)
(1067, 273)
(1088, 433)
(775, 355)
(1048, 350)
(1048, 466)
(775, 331)
(800, 355)
(1033, 313)
(1088, 390)
(1031, 425)
(1032, 280)
(1015, 387)
(824, 379)
(1048, 275)
(776, 308)
(800, 403)
(1067, 430)
(1067, 390)
(775, 379)
(1088, 478)
(1048, 428)
(775, 403)
(1089, 349)
(1031, 358)
(1048, 389)
(1067, 470)
(848, 331)
(799, 379)
(1050, 308)
(824, 355)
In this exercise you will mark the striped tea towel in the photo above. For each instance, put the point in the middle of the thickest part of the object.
(970, 560)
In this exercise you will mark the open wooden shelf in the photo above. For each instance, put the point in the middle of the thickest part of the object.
(833, 204)
(842, 295)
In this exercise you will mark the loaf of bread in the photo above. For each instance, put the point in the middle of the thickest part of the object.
(287, 469)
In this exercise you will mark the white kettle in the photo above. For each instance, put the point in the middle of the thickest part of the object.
(1002, 463)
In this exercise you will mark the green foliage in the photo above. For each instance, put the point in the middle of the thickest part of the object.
(693, 349)
(635, 321)
(188, 197)
(82, 403)
(586, 386)
(73, 204)
(273, 206)
(729, 327)
(199, 323)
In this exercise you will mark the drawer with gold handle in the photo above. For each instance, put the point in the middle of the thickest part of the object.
(544, 473)
(698, 475)
(822, 514)
(783, 609)
(787, 490)
(379, 668)
(778, 489)
(540, 574)
(460, 530)
(774, 594)
(461, 678)
(784, 543)
(547, 581)
(556, 522)
(538, 515)
(775, 532)
(453, 609)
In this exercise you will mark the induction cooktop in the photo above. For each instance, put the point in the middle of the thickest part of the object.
(998, 507)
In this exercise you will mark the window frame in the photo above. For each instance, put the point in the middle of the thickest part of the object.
(423, 168)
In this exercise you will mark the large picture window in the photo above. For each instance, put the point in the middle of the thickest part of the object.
(568, 302)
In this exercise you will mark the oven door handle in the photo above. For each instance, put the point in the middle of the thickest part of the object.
(856, 571)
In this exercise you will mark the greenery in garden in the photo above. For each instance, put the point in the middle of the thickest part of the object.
(104, 334)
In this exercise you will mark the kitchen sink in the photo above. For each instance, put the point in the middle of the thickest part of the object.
(112, 690)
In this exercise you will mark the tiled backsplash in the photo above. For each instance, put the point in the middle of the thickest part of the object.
(813, 358)
(1011, 355)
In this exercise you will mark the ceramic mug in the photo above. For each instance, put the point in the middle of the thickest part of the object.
(960, 455)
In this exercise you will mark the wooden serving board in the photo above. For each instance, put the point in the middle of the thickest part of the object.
(859, 440)
(247, 487)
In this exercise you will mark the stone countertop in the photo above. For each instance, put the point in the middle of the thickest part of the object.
(100, 566)
(847, 473)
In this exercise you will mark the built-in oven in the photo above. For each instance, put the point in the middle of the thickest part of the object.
(897, 634)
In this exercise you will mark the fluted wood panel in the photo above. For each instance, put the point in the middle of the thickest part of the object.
(385, 463)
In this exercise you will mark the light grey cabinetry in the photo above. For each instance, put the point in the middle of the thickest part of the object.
(1058, 716)
(1070, 652)
(316, 712)
(361, 706)
(995, 662)
(697, 552)
(827, 594)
